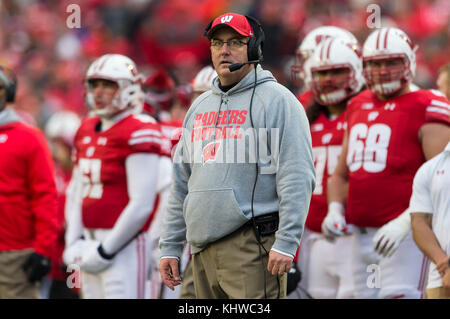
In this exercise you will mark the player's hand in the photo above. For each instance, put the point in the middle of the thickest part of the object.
(170, 274)
(334, 224)
(73, 253)
(387, 239)
(278, 263)
(91, 261)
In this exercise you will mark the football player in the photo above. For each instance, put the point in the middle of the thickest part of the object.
(300, 71)
(391, 131)
(113, 186)
(336, 76)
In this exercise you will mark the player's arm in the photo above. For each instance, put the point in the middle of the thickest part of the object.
(433, 138)
(72, 208)
(142, 174)
(74, 241)
(141, 170)
(337, 192)
(435, 134)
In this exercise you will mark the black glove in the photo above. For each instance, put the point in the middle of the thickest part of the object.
(293, 278)
(36, 267)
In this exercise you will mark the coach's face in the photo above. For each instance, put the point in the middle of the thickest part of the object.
(229, 47)
(2, 96)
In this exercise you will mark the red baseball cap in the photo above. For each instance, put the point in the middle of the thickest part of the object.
(237, 22)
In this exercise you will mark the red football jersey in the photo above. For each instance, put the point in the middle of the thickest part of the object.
(384, 152)
(306, 98)
(327, 136)
(172, 131)
(100, 156)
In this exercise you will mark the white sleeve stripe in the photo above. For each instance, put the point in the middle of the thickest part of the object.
(144, 140)
(146, 132)
(440, 103)
(437, 110)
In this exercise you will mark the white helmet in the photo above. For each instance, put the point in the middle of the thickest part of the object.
(389, 43)
(300, 70)
(336, 53)
(203, 80)
(121, 70)
(63, 125)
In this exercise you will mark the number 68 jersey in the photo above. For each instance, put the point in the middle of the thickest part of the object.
(384, 152)
(100, 157)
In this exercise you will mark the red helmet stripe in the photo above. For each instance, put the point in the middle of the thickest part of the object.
(386, 37)
(378, 38)
(321, 52)
(329, 46)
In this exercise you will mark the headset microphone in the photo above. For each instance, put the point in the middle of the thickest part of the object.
(237, 66)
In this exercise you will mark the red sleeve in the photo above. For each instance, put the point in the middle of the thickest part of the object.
(146, 138)
(437, 108)
(43, 195)
(306, 99)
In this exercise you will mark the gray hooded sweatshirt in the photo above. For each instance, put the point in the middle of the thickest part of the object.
(215, 166)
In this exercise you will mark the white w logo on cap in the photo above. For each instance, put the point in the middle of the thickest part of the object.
(226, 19)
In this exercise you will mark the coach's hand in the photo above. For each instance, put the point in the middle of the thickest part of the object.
(278, 263)
(36, 267)
(170, 275)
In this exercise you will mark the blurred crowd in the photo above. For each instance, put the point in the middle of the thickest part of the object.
(50, 58)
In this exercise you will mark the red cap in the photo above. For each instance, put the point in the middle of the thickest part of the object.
(238, 22)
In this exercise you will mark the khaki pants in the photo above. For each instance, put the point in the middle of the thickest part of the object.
(438, 293)
(231, 268)
(13, 280)
(187, 286)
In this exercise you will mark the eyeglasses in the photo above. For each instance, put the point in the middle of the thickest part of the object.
(233, 44)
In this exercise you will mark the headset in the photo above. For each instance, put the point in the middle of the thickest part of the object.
(255, 56)
(9, 79)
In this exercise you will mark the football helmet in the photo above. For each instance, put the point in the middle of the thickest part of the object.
(386, 44)
(159, 92)
(203, 80)
(300, 70)
(63, 125)
(332, 54)
(121, 70)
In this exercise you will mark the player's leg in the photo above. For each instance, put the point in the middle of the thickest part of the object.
(126, 277)
(91, 286)
(343, 259)
(403, 274)
(322, 283)
(365, 269)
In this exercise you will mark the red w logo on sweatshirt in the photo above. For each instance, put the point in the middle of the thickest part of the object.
(210, 151)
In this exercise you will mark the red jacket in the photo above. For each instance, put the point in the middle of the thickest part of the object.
(28, 216)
